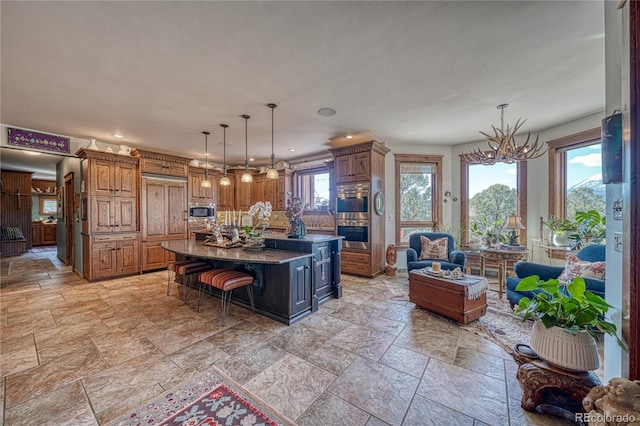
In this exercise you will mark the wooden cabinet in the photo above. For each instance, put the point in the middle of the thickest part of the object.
(243, 193)
(198, 194)
(258, 189)
(113, 178)
(111, 255)
(364, 163)
(156, 163)
(353, 167)
(226, 194)
(110, 228)
(43, 234)
(300, 279)
(36, 232)
(164, 216)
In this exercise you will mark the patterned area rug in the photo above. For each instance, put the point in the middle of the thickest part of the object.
(31, 266)
(500, 324)
(209, 399)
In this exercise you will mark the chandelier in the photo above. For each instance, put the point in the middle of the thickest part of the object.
(503, 147)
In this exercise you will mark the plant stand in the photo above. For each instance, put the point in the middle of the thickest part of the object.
(545, 387)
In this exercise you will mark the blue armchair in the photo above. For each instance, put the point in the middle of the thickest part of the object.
(522, 269)
(456, 259)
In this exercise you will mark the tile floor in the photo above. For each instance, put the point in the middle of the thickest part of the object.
(79, 353)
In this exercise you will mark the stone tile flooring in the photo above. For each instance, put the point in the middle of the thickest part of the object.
(80, 353)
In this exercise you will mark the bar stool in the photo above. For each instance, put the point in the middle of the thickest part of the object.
(225, 280)
(171, 270)
(188, 271)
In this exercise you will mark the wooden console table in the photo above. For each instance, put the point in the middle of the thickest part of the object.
(504, 259)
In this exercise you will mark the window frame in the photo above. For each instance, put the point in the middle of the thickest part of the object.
(558, 166)
(436, 192)
(300, 174)
(521, 199)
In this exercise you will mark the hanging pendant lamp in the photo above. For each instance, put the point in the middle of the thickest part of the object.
(272, 173)
(224, 180)
(206, 183)
(246, 176)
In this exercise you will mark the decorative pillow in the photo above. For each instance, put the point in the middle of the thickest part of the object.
(580, 268)
(438, 249)
(12, 233)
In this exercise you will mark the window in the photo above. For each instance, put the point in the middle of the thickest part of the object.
(313, 189)
(488, 195)
(575, 174)
(48, 205)
(418, 188)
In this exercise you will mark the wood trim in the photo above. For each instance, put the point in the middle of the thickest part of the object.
(372, 145)
(634, 204)
(464, 200)
(159, 156)
(437, 193)
(557, 165)
(521, 200)
(99, 155)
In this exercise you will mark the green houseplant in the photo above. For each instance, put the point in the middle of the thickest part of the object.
(592, 228)
(561, 230)
(571, 316)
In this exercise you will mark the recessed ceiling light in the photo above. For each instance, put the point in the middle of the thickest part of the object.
(292, 149)
(326, 112)
(118, 135)
(349, 136)
(31, 152)
(252, 159)
(206, 154)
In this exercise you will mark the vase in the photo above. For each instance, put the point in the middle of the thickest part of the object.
(254, 243)
(92, 146)
(561, 239)
(572, 352)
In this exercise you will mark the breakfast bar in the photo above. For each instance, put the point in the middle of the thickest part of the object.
(288, 284)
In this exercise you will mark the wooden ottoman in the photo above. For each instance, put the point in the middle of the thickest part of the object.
(463, 300)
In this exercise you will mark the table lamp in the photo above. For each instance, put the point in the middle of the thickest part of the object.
(513, 223)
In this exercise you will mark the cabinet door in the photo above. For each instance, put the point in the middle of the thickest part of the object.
(126, 179)
(154, 256)
(175, 169)
(150, 165)
(127, 256)
(258, 189)
(102, 177)
(35, 234)
(271, 192)
(48, 234)
(194, 186)
(322, 270)
(360, 167)
(176, 209)
(243, 194)
(126, 218)
(103, 256)
(102, 214)
(300, 286)
(343, 169)
(226, 196)
(153, 213)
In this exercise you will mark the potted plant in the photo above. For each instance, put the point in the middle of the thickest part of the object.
(567, 321)
(561, 230)
(591, 229)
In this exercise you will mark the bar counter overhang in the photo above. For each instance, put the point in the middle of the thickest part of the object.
(291, 276)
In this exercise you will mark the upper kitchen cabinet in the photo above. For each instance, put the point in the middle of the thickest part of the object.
(198, 193)
(360, 162)
(162, 164)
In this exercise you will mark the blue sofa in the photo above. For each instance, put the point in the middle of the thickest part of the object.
(456, 259)
(522, 269)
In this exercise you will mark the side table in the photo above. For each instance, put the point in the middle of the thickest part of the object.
(505, 259)
(543, 384)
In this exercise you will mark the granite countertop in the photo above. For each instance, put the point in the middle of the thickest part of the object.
(197, 249)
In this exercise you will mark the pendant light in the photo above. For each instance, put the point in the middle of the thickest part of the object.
(224, 180)
(272, 173)
(206, 183)
(246, 176)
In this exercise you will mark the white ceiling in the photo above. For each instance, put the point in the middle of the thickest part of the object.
(424, 73)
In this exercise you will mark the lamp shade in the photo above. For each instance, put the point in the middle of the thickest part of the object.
(513, 222)
(224, 181)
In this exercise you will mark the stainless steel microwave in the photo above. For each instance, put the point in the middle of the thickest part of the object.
(202, 211)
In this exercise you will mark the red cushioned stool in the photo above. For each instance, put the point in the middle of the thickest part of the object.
(188, 271)
(225, 280)
(171, 270)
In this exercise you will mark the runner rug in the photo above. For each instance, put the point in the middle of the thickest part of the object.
(209, 399)
(31, 266)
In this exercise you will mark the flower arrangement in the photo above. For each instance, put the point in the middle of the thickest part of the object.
(263, 209)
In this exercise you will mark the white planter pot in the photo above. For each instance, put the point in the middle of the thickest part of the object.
(571, 352)
(562, 239)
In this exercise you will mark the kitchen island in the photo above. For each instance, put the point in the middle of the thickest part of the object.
(291, 276)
